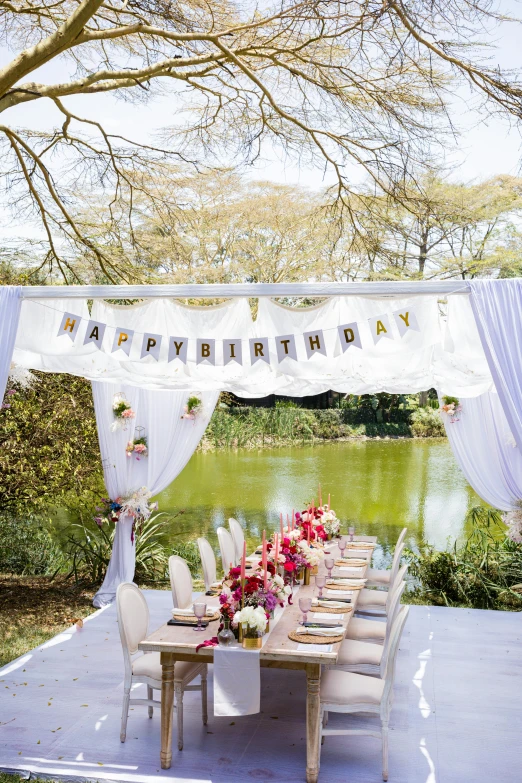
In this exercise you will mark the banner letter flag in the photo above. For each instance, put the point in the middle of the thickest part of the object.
(406, 321)
(314, 343)
(123, 340)
(380, 327)
(206, 351)
(151, 345)
(349, 336)
(94, 333)
(286, 347)
(259, 350)
(178, 349)
(232, 351)
(69, 325)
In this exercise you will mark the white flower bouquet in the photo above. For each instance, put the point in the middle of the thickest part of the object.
(252, 619)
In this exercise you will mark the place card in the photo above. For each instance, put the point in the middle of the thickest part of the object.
(330, 617)
(350, 568)
(340, 594)
(322, 648)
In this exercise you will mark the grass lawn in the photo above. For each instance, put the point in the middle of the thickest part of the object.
(33, 609)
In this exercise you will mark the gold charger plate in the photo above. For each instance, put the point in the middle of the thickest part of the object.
(209, 618)
(309, 638)
(344, 588)
(332, 609)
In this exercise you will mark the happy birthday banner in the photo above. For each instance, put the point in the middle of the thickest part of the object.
(380, 327)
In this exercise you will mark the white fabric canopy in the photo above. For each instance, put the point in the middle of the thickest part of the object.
(10, 303)
(416, 360)
(497, 305)
(486, 451)
(171, 442)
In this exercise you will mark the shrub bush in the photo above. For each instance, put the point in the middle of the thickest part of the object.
(27, 548)
(427, 423)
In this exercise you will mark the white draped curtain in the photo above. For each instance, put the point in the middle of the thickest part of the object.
(171, 442)
(497, 305)
(10, 303)
(486, 451)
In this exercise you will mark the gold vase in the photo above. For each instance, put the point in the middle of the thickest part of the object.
(240, 634)
(307, 576)
(252, 642)
(315, 570)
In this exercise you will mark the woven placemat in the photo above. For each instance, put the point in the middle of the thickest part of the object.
(344, 588)
(360, 545)
(331, 609)
(209, 618)
(353, 562)
(310, 638)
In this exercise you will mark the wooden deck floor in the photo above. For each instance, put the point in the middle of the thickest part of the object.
(457, 716)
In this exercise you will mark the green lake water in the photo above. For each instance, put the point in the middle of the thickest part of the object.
(379, 486)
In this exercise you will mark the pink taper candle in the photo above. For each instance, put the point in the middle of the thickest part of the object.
(265, 582)
(328, 501)
(320, 496)
(281, 521)
(293, 518)
(276, 550)
(243, 562)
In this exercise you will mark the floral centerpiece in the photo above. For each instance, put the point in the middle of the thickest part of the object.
(193, 407)
(451, 407)
(137, 506)
(254, 593)
(319, 523)
(138, 447)
(290, 555)
(122, 411)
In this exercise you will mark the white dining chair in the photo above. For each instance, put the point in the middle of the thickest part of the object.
(361, 657)
(238, 537)
(180, 582)
(227, 549)
(381, 577)
(133, 623)
(362, 629)
(376, 602)
(349, 693)
(208, 564)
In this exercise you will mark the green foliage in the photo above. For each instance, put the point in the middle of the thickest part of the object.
(89, 550)
(49, 452)
(427, 423)
(485, 572)
(448, 400)
(286, 403)
(193, 403)
(27, 547)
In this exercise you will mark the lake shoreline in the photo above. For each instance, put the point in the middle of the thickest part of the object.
(274, 443)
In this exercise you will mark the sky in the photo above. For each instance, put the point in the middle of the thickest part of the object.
(483, 149)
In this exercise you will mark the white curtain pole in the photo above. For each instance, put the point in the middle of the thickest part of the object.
(254, 290)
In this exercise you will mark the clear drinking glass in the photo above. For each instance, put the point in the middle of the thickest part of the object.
(200, 610)
(329, 563)
(305, 604)
(320, 582)
(351, 532)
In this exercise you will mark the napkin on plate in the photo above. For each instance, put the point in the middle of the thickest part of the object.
(190, 613)
(334, 630)
(331, 604)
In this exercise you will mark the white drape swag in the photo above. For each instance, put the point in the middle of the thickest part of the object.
(10, 304)
(171, 442)
(486, 451)
(497, 305)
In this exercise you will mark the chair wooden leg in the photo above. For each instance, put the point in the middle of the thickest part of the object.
(204, 705)
(178, 689)
(385, 750)
(124, 712)
(149, 696)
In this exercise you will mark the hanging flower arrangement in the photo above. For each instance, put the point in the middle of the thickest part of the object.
(137, 506)
(451, 407)
(138, 446)
(193, 407)
(122, 411)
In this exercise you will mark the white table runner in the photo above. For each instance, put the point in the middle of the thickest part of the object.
(237, 681)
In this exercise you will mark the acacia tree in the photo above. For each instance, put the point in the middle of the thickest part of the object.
(361, 82)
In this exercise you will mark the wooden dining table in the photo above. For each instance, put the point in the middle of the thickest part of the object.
(177, 643)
